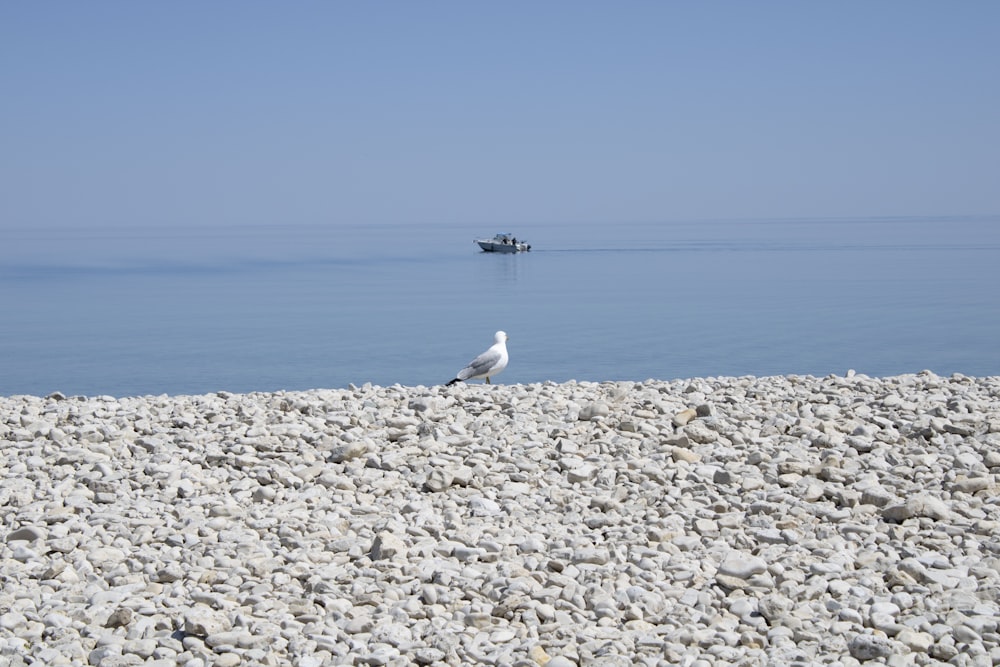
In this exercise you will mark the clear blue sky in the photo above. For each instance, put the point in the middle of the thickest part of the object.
(134, 113)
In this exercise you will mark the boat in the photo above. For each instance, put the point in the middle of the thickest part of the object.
(503, 243)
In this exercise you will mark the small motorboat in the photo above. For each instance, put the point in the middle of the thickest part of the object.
(503, 243)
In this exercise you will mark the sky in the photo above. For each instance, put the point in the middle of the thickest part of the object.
(258, 113)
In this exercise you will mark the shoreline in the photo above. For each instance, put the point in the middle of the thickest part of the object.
(725, 519)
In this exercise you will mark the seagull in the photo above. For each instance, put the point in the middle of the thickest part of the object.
(490, 362)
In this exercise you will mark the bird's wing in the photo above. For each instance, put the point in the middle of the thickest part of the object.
(480, 365)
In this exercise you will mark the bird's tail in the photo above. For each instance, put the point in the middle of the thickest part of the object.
(453, 382)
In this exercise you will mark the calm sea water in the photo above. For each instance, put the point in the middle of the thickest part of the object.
(182, 310)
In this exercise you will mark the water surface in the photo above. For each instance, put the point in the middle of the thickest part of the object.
(192, 310)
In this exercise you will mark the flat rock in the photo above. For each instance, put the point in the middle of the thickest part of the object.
(920, 505)
(742, 566)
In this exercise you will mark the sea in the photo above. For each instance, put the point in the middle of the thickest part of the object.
(145, 310)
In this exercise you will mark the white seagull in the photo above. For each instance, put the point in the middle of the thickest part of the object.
(490, 362)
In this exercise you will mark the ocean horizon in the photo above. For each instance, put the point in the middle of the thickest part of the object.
(191, 310)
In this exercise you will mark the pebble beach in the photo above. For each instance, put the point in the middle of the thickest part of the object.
(789, 520)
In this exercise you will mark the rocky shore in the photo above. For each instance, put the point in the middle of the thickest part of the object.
(739, 521)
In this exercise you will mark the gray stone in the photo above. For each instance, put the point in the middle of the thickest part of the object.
(26, 533)
(699, 433)
(348, 451)
(388, 547)
(202, 621)
(920, 505)
(428, 656)
(869, 647)
(439, 480)
(119, 618)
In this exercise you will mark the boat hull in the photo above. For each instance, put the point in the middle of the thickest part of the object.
(490, 246)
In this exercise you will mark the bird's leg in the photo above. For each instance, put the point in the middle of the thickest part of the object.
(487, 379)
